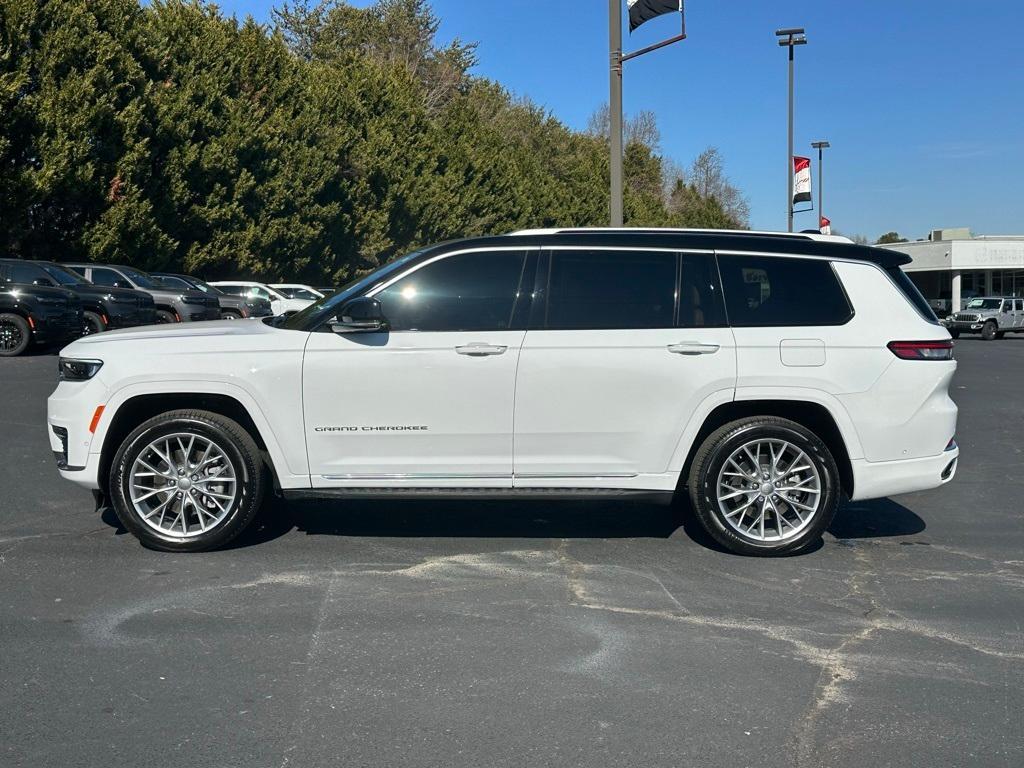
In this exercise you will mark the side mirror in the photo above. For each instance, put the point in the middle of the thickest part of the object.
(42, 281)
(362, 315)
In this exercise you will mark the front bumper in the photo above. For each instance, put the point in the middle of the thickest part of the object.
(130, 317)
(965, 327)
(56, 327)
(878, 479)
(198, 312)
(69, 415)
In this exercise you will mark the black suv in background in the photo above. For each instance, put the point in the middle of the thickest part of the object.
(103, 307)
(172, 305)
(36, 314)
(231, 307)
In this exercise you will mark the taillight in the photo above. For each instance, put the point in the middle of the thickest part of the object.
(922, 350)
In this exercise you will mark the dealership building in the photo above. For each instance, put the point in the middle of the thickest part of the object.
(951, 266)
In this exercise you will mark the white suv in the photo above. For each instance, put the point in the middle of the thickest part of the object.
(751, 369)
(280, 304)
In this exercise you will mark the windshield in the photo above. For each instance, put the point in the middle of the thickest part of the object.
(62, 276)
(297, 293)
(325, 308)
(205, 287)
(171, 281)
(141, 279)
(984, 303)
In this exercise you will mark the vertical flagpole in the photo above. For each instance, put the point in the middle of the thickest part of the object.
(789, 157)
(821, 186)
(615, 109)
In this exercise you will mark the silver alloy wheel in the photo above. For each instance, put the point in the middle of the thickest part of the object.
(769, 490)
(183, 485)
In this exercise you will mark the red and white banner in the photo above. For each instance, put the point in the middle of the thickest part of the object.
(801, 179)
(825, 226)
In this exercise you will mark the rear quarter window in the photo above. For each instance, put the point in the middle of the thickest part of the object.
(768, 291)
(910, 292)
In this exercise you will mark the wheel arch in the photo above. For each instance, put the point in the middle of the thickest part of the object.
(138, 408)
(814, 416)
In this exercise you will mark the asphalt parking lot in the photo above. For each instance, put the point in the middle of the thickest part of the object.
(511, 634)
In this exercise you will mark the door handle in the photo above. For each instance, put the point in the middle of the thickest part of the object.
(479, 349)
(692, 348)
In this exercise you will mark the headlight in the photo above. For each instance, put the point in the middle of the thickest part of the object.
(70, 369)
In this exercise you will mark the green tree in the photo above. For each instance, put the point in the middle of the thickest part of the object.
(890, 237)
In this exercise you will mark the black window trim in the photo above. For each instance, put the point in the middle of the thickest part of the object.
(768, 254)
(539, 318)
(526, 250)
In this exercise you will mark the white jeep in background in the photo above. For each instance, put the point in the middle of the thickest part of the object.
(991, 316)
(764, 375)
(280, 304)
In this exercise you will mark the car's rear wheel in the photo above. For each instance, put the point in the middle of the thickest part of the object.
(230, 314)
(764, 486)
(187, 481)
(163, 316)
(15, 335)
(954, 334)
(988, 330)
(92, 323)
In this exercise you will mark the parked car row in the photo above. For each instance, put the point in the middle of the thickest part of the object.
(43, 302)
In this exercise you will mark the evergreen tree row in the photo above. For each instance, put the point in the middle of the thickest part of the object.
(169, 137)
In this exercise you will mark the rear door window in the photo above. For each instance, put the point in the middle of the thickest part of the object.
(767, 291)
(598, 289)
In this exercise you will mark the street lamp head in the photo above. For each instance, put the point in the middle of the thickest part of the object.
(820, 144)
(789, 31)
(789, 42)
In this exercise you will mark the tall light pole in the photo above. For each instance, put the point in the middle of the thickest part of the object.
(821, 145)
(616, 59)
(615, 108)
(790, 38)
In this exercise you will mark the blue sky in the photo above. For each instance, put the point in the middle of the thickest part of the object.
(923, 102)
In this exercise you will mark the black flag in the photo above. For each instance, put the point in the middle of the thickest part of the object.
(645, 10)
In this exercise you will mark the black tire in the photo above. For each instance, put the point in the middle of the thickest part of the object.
(716, 450)
(163, 316)
(238, 447)
(92, 323)
(988, 330)
(230, 314)
(15, 335)
(1000, 334)
(954, 334)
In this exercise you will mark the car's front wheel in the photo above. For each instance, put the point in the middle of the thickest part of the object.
(230, 314)
(989, 330)
(764, 486)
(187, 481)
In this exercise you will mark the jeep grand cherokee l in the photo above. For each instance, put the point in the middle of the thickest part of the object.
(172, 305)
(231, 307)
(36, 314)
(102, 307)
(580, 363)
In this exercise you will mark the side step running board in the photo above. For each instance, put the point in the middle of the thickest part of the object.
(622, 494)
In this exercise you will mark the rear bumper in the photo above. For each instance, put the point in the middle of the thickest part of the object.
(877, 479)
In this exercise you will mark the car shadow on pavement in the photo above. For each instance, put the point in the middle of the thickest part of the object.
(435, 518)
(464, 518)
